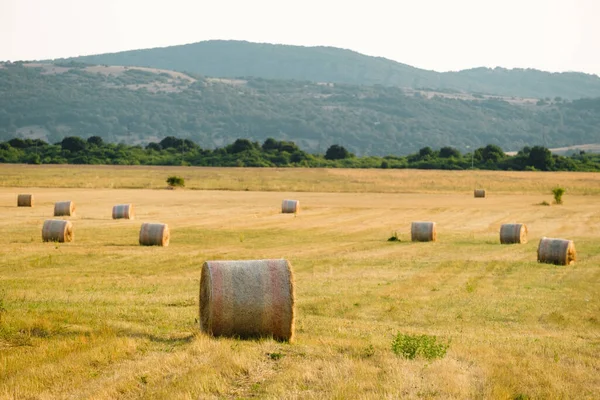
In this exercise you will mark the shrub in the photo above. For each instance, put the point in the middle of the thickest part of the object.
(174, 181)
(394, 237)
(411, 346)
(558, 192)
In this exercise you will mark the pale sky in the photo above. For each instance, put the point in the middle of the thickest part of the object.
(443, 35)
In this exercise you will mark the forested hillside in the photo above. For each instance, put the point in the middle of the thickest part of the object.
(218, 58)
(134, 106)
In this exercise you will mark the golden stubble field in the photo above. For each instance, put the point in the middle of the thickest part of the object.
(105, 318)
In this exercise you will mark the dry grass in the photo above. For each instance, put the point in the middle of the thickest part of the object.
(299, 179)
(105, 318)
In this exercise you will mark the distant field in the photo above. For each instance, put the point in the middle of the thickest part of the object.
(299, 179)
(104, 318)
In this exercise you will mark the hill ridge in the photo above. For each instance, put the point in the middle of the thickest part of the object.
(235, 58)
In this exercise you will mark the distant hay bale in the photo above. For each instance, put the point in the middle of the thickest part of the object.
(423, 232)
(154, 234)
(479, 192)
(25, 200)
(251, 298)
(556, 251)
(513, 233)
(64, 208)
(290, 206)
(57, 230)
(124, 211)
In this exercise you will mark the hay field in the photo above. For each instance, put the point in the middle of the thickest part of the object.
(105, 318)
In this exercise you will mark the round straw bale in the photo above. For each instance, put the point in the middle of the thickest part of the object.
(25, 200)
(556, 251)
(250, 298)
(290, 206)
(57, 230)
(154, 234)
(513, 233)
(479, 192)
(64, 208)
(423, 232)
(124, 211)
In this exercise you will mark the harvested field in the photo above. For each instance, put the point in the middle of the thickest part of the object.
(105, 318)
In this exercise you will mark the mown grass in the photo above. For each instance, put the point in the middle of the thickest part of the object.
(298, 179)
(106, 318)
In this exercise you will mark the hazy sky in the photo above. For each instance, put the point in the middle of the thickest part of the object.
(552, 35)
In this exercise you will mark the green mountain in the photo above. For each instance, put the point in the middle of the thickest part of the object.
(231, 59)
(137, 106)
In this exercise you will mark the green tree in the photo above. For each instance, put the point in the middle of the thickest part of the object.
(337, 152)
(540, 158)
(73, 143)
(447, 152)
(95, 140)
(492, 153)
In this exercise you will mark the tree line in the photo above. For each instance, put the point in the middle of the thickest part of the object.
(280, 153)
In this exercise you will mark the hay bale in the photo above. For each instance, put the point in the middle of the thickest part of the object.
(154, 234)
(290, 206)
(57, 230)
(479, 192)
(252, 298)
(123, 211)
(25, 200)
(513, 233)
(556, 251)
(423, 232)
(64, 208)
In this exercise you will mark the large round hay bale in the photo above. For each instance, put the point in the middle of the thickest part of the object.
(64, 208)
(124, 211)
(423, 232)
(513, 233)
(57, 230)
(252, 298)
(479, 192)
(25, 200)
(556, 251)
(154, 234)
(290, 206)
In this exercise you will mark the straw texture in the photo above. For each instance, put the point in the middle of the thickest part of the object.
(25, 200)
(290, 206)
(250, 298)
(556, 251)
(513, 233)
(154, 234)
(423, 232)
(479, 192)
(64, 208)
(123, 211)
(57, 230)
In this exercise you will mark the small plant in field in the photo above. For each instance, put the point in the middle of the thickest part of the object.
(394, 237)
(521, 396)
(411, 346)
(544, 203)
(176, 181)
(2, 308)
(558, 193)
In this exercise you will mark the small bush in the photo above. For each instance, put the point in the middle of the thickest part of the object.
(411, 346)
(176, 181)
(394, 237)
(558, 192)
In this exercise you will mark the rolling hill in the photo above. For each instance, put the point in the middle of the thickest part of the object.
(232, 59)
(140, 105)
